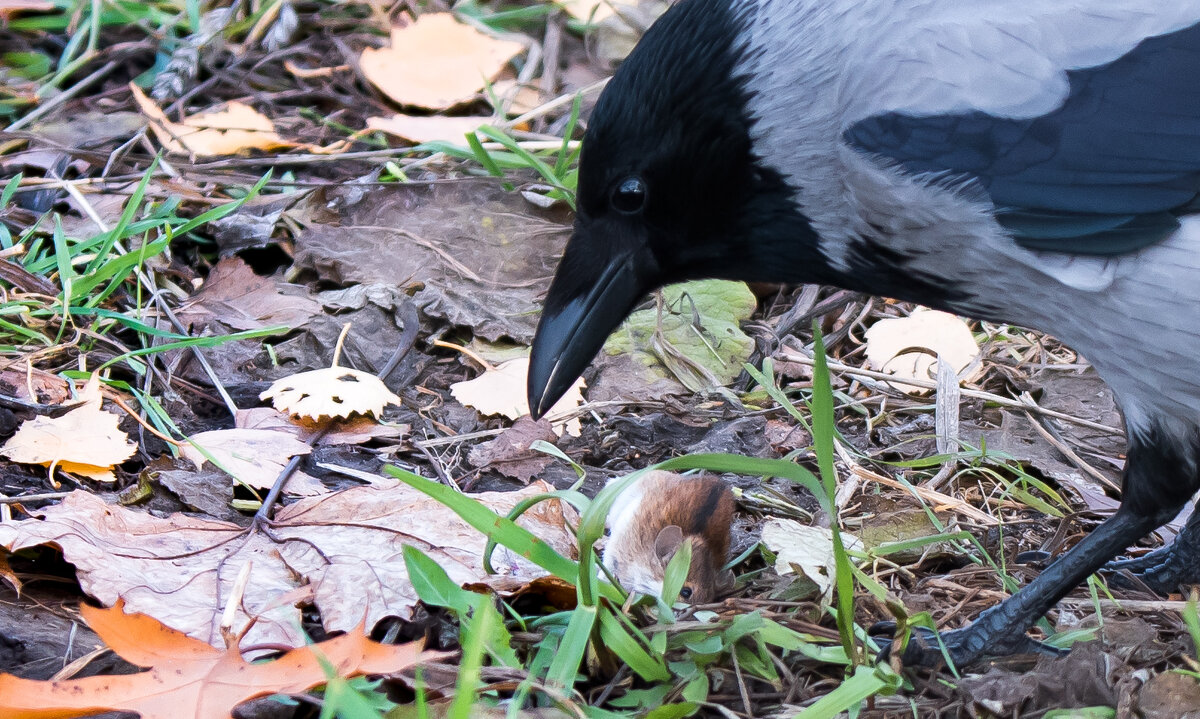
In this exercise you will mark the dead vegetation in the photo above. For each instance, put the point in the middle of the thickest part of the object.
(206, 199)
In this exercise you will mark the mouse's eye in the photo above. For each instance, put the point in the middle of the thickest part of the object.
(685, 593)
(629, 197)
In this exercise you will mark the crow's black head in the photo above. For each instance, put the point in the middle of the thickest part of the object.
(669, 190)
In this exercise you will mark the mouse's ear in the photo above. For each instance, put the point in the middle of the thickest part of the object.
(668, 541)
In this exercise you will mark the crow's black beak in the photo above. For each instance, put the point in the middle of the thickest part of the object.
(588, 298)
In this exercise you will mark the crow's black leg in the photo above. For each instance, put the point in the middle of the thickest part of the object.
(1000, 631)
(1162, 473)
(1165, 570)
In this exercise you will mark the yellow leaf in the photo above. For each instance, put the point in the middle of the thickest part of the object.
(436, 62)
(85, 440)
(188, 677)
(331, 392)
(235, 129)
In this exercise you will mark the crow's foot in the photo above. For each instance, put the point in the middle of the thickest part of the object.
(964, 646)
(1164, 570)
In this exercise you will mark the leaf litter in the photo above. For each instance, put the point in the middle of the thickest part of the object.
(352, 238)
(190, 678)
(181, 570)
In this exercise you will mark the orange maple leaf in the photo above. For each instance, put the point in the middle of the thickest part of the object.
(190, 678)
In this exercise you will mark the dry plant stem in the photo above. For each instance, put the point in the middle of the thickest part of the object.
(1067, 452)
(145, 425)
(337, 347)
(63, 96)
(43, 497)
(939, 500)
(487, 366)
(556, 103)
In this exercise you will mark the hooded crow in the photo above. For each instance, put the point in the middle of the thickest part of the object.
(1035, 162)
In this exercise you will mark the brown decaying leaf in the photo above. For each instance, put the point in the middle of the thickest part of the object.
(436, 62)
(509, 453)
(330, 392)
(35, 385)
(254, 457)
(479, 257)
(181, 570)
(189, 678)
(9, 576)
(235, 129)
(238, 298)
(84, 441)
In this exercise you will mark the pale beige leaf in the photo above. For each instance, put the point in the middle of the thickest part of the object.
(800, 549)
(501, 390)
(345, 547)
(428, 129)
(8, 8)
(235, 129)
(436, 62)
(588, 10)
(520, 97)
(330, 392)
(908, 347)
(85, 440)
(253, 456)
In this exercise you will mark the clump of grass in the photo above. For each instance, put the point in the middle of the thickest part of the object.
(671, 662)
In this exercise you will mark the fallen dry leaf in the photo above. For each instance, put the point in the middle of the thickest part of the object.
(35, 385)
(84, 441)
(189, 678)
(181, 569)
(509, 453)
(330, 392)
(254, 457)
(476, 256)
(8, 8)
(501, 390)
(235, 129)
(237, 297)
(354, 430)
(520, 97)
(428, 129)
(801, 549)
(588, 10)
(895, 346)
(436, 62)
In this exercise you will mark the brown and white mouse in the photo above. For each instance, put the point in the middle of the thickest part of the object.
(652, 519)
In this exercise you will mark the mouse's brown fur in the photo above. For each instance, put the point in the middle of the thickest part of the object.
(660, 513)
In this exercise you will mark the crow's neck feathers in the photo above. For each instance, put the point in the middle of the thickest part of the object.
(736, 110)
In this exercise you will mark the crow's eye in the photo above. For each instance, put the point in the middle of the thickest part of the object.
(629, 196)
(685, 593)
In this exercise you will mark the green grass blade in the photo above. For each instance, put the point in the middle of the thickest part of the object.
(505, 531)
(572, 648)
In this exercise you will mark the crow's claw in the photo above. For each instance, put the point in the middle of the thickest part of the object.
(1164, 570)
